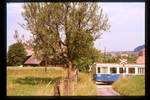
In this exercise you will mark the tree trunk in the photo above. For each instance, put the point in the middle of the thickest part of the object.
(69, 69)
(46, 65)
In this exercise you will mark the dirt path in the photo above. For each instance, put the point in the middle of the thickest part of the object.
(106, 90)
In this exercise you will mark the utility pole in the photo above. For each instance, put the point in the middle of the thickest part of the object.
(104, 53)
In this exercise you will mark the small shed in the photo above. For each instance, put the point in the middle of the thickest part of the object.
(32, 60)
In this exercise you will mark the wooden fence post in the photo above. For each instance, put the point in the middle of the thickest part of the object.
(66, 87)
(57, 89)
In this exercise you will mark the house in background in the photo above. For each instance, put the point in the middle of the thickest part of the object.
(141, 57)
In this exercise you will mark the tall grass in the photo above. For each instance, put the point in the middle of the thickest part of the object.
(34, 81)
(131, 86)
(85, 86)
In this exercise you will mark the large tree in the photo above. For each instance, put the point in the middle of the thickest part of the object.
(64, 30)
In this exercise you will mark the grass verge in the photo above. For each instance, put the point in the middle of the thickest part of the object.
(131, 86)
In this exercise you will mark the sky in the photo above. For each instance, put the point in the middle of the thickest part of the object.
(127, 29)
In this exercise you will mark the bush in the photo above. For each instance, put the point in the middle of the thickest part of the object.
(83, 63)
(16, 54)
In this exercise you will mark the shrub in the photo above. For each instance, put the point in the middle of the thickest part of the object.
(16, 54)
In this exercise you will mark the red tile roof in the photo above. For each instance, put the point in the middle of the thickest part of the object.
(141, 58)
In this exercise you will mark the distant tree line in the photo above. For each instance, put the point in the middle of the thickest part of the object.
(17, 55)
(108, 58)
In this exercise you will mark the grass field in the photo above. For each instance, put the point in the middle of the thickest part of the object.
(132, 86)
(34, 81)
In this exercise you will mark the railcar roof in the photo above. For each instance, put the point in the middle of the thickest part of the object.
(118, 65)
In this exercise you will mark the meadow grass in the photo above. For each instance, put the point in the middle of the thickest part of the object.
(34, 81)
(130, 86)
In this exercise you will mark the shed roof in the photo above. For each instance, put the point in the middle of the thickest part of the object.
(32, 60)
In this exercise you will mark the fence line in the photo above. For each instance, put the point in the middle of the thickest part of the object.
(64, 87)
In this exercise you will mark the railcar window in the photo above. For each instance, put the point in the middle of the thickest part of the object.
(120, 70)
(113, 70)
(141, 70)
(104, 69)
(99, 70)
(131, 70)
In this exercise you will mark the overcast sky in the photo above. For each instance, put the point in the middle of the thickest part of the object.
(127, 26)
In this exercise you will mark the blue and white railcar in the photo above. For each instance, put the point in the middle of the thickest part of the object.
(105, 72)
